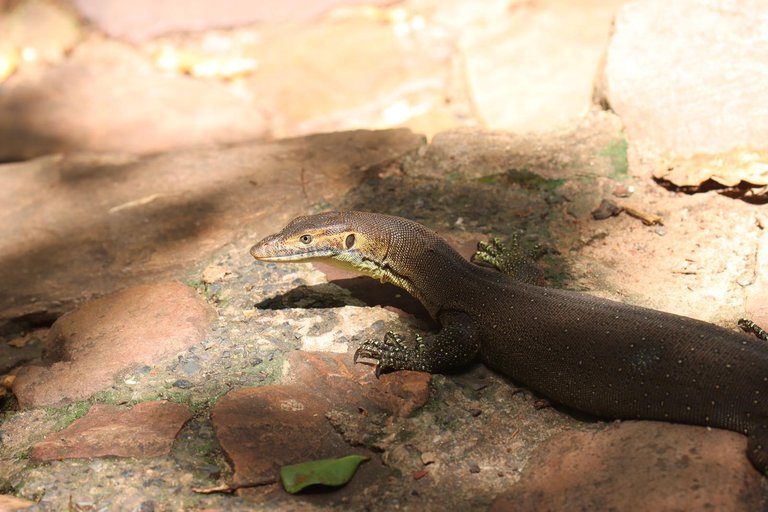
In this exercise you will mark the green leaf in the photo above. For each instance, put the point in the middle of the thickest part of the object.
(332, 472)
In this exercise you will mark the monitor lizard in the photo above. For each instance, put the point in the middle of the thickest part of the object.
(598, 356)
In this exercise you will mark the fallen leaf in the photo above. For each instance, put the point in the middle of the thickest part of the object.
(727, 169)
(330, 472)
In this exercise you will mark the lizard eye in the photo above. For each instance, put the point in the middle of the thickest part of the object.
(350, 241)
(305, 239)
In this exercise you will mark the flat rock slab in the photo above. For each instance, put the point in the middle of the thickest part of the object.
(89, 347)
(349, 386)
(592, 148)
(685, 76)
(549, 61)
(81, 225)
(261, 429)
(639, 466)
(145, 430)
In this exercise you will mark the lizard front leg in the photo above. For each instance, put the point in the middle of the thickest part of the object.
(457, 344)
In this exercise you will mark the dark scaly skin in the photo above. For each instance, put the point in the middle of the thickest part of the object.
(601, 357)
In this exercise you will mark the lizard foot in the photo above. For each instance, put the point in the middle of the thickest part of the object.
(390, 354)
(511, 259)
(751, 327)
(494, 253)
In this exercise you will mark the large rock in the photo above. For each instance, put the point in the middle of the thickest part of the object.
(689, 76)
(88, 348)
(639, 466)
(262, 429)
(109, 97)
(82, 225)
(532, 66)
(145, 430)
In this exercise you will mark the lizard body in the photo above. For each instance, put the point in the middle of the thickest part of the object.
(599, 356)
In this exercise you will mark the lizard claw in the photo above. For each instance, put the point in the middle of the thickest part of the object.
(389, 354)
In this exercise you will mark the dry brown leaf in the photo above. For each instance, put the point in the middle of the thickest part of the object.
(728, 169)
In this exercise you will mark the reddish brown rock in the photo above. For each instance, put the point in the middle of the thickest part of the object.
(90, 346)
(145, 430)
(684, 76)
(81, 225)
(261, 429)
(349, 386)
(401, 393)
(638, 466)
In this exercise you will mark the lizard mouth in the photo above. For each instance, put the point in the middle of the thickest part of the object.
(262, 253)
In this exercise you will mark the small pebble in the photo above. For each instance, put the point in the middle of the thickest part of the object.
(606, 209)
(189, 367)
(182, 384)
(623, 190)
(473, 467)
(745, 279)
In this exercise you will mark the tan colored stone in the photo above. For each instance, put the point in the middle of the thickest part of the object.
(590, 148)
(144, 430)
(533, 66)
(90, 346)
(685, 76)
(108, 97)
(638, 466)
(338, 88)
(757, 296)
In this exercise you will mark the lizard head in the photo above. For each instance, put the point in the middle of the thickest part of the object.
(351, 240)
